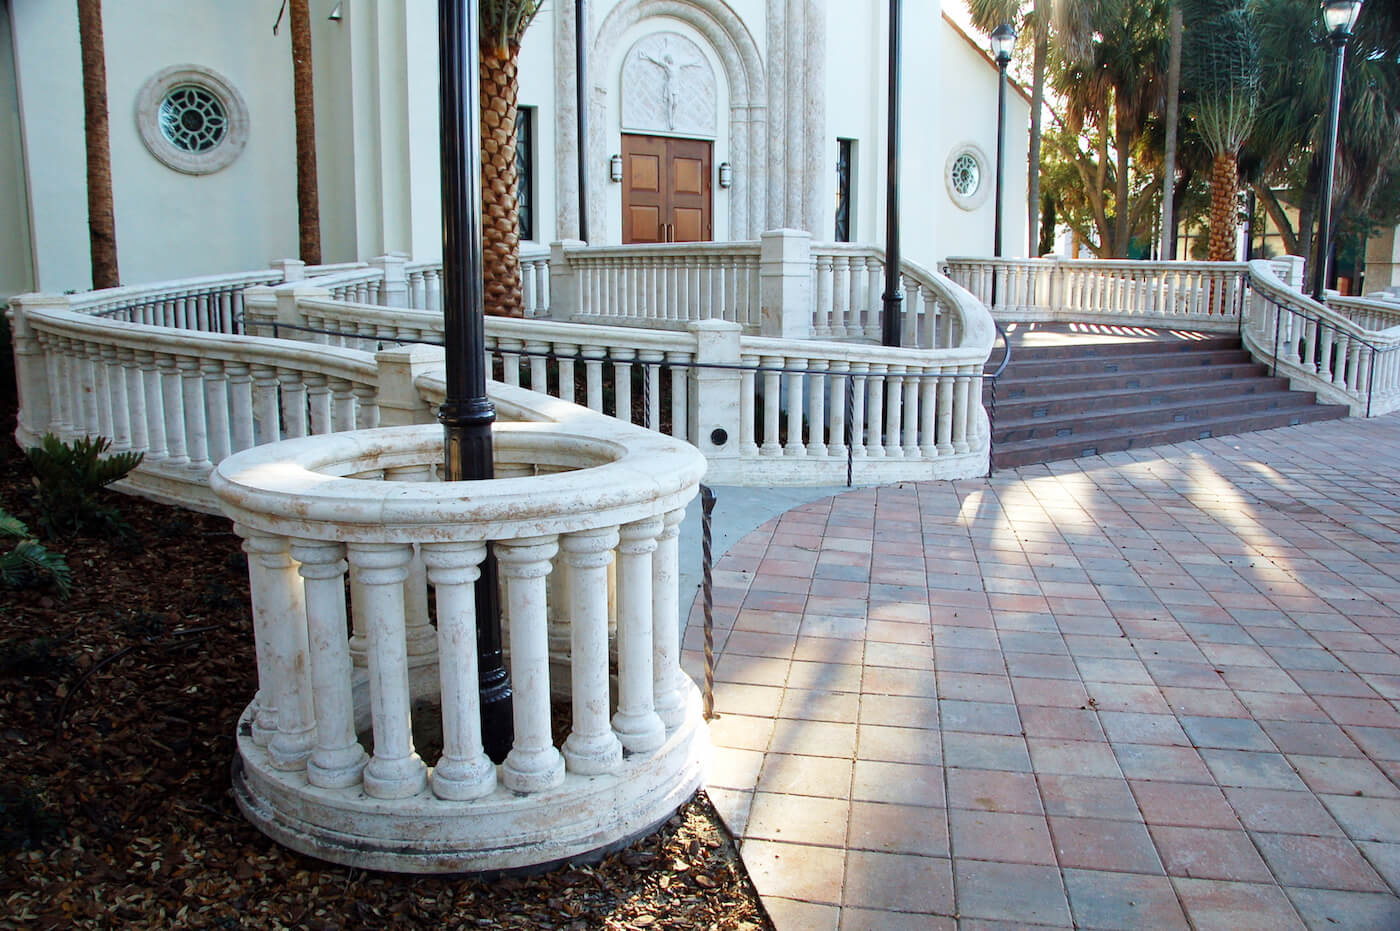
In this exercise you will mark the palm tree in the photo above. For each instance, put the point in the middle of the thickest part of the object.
(503, 23)
(1222, 54)
(304, 97)
(1168, 235)
(102, 223)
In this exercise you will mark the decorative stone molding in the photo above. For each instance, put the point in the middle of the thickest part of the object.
(192, 119)
(968, 175)
(682, 101)
(796, 129)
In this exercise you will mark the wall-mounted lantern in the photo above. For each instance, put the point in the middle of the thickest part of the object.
(726, 174)
(615, 168)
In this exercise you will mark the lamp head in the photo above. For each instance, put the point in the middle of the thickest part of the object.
(1339, 16)
(1003, 42)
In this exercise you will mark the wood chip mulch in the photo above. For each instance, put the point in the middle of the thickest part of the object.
(117, 714)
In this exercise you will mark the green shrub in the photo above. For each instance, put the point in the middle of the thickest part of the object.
(29, 563)
(69, 476)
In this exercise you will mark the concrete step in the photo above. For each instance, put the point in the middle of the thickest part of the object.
(1038, 369)
(1072, 405)
(1011, 387)
(1021, 352)
(1095, 422)
(1026, 452)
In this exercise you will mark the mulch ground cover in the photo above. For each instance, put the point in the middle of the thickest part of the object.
(117, 713)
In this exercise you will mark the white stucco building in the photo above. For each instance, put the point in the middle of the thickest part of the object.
(745, 107)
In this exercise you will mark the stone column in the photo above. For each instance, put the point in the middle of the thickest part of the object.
(636, 721)
(533, 763)
(667, 677)
(380, 569)
(591, 748)
(464, 771)
(338, 759)
(285, 720)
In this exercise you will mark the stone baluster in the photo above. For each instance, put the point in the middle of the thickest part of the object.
(816, 408)
(928, 413)
(960, 409)
(1346, 358)
(823, 318)
(875, 272)
(637, 724)
(318, 402)
(836, 436)
(772, 401)
(135, 399)
(463, 772)
(874, 413)
(566, 353)
(379, 570)
(118, 409)
(668, 678)
(196, 426)
(539, 366)
(267, 416)
(508, 350)
(216, 403)
(841, 296)
(533, 763)
(591, 748)
(88, 420)
(945, 414)
(284, 720)
(909, 320)
(337, 760)
(593, 357)
(678, 393)
(240, 387)
(173, 396)
(910, 414)
(622, 384)
(101, 400)
(894, 400)
(419, 637)
(154, 405)
(294, 416)
(342, 404)
(651, 359)
(861, 380)
(748, 440)
(794, 446)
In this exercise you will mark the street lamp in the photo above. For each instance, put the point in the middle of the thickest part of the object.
(1003, 41)
(1339, 16)
(893, 298)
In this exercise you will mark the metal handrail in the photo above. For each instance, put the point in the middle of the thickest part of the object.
(992, 399)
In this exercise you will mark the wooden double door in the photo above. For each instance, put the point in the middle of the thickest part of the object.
(666, 189)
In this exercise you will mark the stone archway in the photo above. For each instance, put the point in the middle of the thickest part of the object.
(739, 57)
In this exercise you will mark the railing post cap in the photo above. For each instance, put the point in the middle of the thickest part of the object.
(713, 326)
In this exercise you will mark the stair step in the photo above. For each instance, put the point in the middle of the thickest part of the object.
(1092, 422)
(1122, 364)
(1060, 405)
(1011, 386)
(1026, 452)
(1020, 352)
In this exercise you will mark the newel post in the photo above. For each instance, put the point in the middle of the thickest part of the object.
(400, 404)
(563, 292)
(714, 392)
(393, 289)
(785, 284)
(291, 269)
(31, 368)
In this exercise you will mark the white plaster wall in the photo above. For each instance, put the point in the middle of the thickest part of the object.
(168, 224)
(335, 140)
(537, 82)
(948, 97)
(16, 260)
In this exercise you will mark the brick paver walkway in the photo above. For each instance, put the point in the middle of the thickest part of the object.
(1155, 689)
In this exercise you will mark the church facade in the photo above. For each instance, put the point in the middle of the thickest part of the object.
(708, 120)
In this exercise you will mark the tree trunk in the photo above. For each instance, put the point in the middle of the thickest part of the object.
(304, 96)
(1307, 217)
(1122, 232)
(1168, 246)
(1042, 40)
(1224, 182)
(1280, 218)
(102, 223)
(500, 232)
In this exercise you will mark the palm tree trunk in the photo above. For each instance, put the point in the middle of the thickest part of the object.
(500, 220)
(102, 223)
(304, 96)
(1122, 232)
(1167, 249)
(1042, 42)
(1224, 216)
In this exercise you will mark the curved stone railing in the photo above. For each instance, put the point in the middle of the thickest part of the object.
(1370, 313)
(1324, 347)
(424, 282)
(1200, 295)
(763, 410)
(212, 303)
(580, 498)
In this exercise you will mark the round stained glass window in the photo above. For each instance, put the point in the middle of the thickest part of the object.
(967, 174)
(192, 118)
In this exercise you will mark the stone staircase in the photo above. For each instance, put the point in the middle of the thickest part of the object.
(1069, 393)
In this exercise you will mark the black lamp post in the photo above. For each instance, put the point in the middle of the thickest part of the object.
(466, 413)
(894, 294)
(1003, 42)
(581, 103)
(1339, 16)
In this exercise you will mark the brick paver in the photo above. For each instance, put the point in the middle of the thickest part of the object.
(1150, 689)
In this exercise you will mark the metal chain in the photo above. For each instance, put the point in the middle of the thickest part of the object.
(707, 506)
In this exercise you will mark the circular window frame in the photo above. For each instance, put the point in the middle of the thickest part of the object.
(978, 197)
(148, 105)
